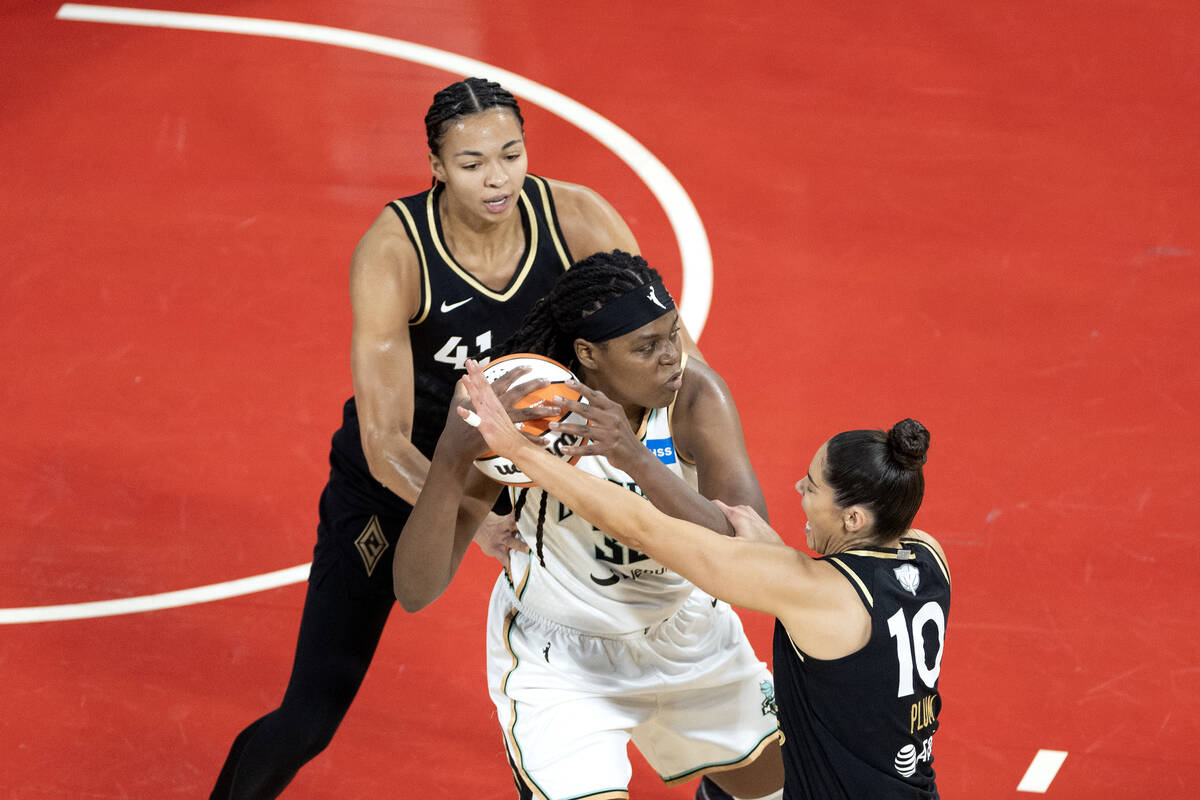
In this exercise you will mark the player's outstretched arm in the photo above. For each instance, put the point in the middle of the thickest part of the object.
(740, 571)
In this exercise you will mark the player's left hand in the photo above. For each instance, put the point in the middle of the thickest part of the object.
(606, 433)
(497, 535)
(748, 525)
(464, 438)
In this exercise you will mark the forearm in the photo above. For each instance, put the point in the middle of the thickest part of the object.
(396, 463)
(742, 573)
(436, 535)
(613, 509)
(675, 498)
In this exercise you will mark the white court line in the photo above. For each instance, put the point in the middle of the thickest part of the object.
(681, 213)
(694, 250)
(154, 602)
(1042, 771)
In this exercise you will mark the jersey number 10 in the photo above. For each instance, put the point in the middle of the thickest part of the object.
(910, 649)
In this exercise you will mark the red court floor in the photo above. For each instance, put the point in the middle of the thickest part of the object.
(983, 215)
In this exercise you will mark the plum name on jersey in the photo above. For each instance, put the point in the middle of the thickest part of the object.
(922, 715)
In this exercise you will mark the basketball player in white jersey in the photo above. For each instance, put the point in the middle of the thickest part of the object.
(592, 644)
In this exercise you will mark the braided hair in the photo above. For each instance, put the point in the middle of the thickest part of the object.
(462, 99)
(549, 327)
(882, 471)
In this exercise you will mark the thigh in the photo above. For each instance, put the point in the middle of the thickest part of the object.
(345, 611)
(718, 713)
(564, 735)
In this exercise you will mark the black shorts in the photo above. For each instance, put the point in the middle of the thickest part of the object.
(358, 529)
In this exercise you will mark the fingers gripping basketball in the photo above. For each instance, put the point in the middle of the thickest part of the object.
(502, 469)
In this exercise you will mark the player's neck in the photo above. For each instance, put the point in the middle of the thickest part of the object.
(490, 252)
(857, 542)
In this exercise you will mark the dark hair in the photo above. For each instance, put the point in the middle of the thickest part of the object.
(549, 327)
(462, 99)
(882, 472)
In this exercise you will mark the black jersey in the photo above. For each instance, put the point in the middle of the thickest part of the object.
(458, 317)
(862, 726)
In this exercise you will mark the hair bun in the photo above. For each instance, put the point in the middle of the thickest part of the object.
(908, 441)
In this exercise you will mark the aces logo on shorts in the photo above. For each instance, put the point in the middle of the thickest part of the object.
(370, 544)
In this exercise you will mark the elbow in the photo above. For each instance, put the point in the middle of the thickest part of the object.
(376, 462)
(383, 448)
(411, 601)
(413, 592)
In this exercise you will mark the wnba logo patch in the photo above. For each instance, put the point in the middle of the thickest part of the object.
(370, 544)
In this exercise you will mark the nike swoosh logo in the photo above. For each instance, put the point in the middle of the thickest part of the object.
(609, 581)
(451, 306)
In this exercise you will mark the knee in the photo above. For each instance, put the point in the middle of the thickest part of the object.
(309, 725)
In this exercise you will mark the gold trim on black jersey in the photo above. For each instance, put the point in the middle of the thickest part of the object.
(530, 250)
(551, 219)
(936, 556)
(799, 653)
(415, 236)
(901, 554)
(862, 587)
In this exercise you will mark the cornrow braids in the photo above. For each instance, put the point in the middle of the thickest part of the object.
(462, 99)
(549, 329)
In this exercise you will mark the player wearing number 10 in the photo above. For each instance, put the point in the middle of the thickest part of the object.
(437, 277)
(859, 631)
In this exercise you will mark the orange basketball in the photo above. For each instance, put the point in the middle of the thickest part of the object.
(502, 469)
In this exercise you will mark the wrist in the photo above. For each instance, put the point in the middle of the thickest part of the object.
(452, 452)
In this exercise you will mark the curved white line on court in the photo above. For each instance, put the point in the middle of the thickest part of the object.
(689, 231)
(154, 602)
(685, 221)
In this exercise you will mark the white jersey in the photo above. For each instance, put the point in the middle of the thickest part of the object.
(591, 582)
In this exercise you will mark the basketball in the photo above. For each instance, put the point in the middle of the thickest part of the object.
(501, 469)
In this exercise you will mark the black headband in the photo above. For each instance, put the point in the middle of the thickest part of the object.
(626, 313)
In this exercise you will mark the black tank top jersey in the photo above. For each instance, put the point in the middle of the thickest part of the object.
(458, 317)
(862, 726)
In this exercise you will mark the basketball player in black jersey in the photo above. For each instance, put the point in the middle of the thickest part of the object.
(860, 630)
(437, 278)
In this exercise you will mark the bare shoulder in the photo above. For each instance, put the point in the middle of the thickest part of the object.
(701, 383)
(385, 240)
(588, 221)
(384, 261)
(914, 533)
(822, 612)
(575, 198)
(704, 411)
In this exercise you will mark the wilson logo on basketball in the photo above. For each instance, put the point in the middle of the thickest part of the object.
(501, 469)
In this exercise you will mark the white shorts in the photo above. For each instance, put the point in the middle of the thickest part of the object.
(690, 693)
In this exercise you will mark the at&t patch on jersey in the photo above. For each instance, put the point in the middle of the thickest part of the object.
(664, 449)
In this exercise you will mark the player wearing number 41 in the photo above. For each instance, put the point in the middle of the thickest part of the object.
(438, 276)
(859, 632)
(592, 644)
